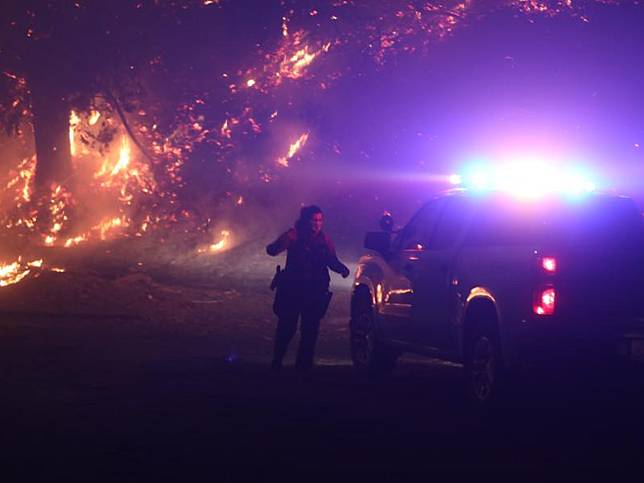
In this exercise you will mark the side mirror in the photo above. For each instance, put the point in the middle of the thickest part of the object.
(387, 222)
(378, 241)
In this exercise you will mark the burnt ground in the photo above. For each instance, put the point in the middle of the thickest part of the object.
(136, 371)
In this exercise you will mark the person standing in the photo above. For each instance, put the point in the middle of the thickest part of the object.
(303, 286)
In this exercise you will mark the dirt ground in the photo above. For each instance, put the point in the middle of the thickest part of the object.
(124, 368)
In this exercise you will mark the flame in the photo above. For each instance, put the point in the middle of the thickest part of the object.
(93, 117)
(22, 181)
(111, 224)
(74, 121)
(293, 149)
(12, 273)
(221, 244)
(284, 27)
(295, 66)
(124, 157)
(75, 240)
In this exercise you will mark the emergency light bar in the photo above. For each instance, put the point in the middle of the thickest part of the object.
(529, 180)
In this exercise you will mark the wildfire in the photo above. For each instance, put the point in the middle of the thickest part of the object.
(131, 189)
(293, 149)
(107, 226)
(16, 271)
(12, 273)
(110, 174)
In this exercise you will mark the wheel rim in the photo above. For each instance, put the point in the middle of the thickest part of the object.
(483, 371)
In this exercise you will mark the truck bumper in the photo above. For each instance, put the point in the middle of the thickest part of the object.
(549, 342)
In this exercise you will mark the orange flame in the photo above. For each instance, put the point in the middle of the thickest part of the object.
(12, 273)
(75, 240)
(93, 117)
(124, 157)
(293, 149)
(74, 121)
(221, 244)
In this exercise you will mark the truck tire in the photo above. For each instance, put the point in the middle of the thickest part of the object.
(484, 375)
(370, 358)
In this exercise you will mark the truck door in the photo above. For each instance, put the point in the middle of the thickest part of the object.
(398, 285)
(434, 286)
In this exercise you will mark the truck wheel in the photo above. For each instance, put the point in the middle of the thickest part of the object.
(369, 357)
(483, 367)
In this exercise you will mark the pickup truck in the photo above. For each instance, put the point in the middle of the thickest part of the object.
(498, 284)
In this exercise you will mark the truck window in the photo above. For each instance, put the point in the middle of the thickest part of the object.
(599, 221)
(418, 232)
(453, 220)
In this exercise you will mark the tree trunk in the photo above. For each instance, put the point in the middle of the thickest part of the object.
(51, 130)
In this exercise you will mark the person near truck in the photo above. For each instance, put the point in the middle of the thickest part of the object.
(303, 286)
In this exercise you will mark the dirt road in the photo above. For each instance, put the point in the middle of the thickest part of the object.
(140, 380)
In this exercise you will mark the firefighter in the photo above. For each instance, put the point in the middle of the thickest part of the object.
(303, 286)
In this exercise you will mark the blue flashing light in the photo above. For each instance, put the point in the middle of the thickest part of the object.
(526, 180)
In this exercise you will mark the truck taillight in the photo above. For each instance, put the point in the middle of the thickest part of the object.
(543, 301)
(548, 264)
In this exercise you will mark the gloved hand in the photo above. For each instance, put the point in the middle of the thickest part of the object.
(346, 272)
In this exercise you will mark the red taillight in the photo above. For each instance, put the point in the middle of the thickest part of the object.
(543, 301)
(549, 264)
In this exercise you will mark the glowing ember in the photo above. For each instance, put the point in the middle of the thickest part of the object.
(293, 149)
(59, 202)
(75, 241)
(221, 244)
(22, 181)
(295, 66)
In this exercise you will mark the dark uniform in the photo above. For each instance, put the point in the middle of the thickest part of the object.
(303, 290)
